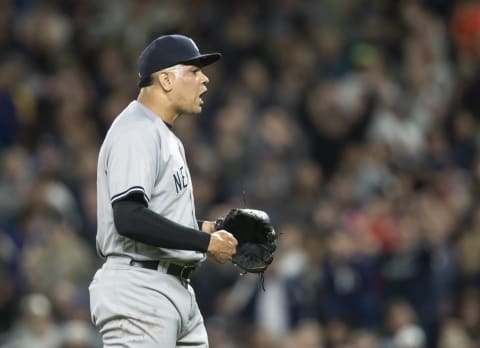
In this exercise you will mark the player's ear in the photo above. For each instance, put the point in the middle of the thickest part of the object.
(165, 80)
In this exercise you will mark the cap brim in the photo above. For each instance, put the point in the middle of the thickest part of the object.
(203, 59)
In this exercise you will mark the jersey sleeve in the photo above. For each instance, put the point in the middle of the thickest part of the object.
(131, 164)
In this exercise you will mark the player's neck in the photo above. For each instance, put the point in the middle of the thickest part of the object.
(157, 106)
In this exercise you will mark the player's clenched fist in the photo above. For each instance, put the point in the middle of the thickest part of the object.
(223, 246)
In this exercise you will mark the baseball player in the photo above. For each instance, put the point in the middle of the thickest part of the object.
(147, 229)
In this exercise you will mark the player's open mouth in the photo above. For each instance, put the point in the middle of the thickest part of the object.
(200, 97)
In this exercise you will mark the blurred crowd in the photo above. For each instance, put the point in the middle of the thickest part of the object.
(353, 123)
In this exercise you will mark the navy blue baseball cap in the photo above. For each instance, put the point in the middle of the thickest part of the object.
(169, 50)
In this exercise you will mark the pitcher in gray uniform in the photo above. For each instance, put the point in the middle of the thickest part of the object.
(148, 232)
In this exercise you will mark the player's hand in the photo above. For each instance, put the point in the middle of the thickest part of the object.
(222, 247)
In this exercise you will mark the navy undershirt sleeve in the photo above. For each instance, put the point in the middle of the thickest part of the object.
(134, 220)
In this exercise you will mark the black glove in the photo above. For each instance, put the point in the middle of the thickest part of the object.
(255, 235)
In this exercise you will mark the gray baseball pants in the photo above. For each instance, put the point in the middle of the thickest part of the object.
(141, 308)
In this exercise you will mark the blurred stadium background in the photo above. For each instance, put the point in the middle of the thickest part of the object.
(354, 123)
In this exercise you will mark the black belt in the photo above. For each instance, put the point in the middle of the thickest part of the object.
(180, 271)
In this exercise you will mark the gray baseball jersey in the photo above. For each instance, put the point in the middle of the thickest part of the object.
(141, 154)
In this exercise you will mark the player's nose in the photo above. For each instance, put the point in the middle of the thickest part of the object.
(205, 78)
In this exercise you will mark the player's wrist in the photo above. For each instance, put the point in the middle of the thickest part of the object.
(208, 226)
